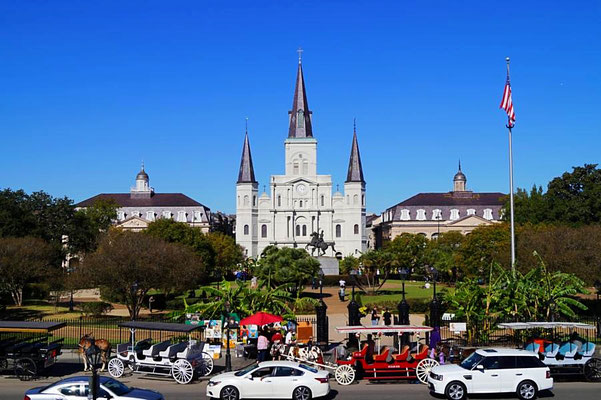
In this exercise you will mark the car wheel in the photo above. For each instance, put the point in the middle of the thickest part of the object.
(302, 393)
(229, 393)
(527, 390)
(455, 391)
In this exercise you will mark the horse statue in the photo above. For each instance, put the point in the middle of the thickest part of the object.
(88, 341)
(318, 242)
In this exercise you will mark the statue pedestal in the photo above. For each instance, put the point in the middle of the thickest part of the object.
(329, 265)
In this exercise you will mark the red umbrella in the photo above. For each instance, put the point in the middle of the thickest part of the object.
(261, 318)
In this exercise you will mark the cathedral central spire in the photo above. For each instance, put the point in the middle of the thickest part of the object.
(247, 172)
(355, 169)
(300, 116)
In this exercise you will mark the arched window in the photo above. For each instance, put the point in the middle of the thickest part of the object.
(356, 199)
(246, 229)
(298, 230)
(301, 204)
(305, 167)
(363, 200)
(356, 229)
(304, 230)
(279, 201)
(264, 230)
(323, 200)
(338, 230)
(295, 168)
(246, 200)
(254, 200)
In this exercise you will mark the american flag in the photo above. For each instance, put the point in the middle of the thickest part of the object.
(507, 103)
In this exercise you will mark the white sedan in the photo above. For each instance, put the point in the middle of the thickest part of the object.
(270, 379)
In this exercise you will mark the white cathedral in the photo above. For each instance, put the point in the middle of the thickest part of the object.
(301, 201)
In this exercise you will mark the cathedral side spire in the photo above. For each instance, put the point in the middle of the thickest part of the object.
(300, 116)
(247, 172)
(355, 169)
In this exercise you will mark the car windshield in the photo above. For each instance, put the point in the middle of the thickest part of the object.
(116, 387)
(471, 361)
(303, 366)
(246, 370)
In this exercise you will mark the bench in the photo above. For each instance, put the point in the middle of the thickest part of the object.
(172, 351)
(154, 350)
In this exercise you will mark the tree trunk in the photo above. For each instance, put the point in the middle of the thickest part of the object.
(17, 295)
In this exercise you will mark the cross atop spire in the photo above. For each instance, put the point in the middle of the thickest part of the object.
(355, 169)
(460, 165)
(247, 171)
(300, 55)
(300, 116)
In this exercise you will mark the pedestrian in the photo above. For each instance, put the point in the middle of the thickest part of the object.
(314, 283)
(342, 283)
(387, 317)
(150, 301)
(262, 345)
(289, 337)
(277, 336)
(371, 348)
(253, 282)
(374, 316)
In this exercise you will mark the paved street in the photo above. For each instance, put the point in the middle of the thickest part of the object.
(12, 388)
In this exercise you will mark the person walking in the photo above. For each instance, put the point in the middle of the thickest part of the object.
(262, 345)
(374, 316)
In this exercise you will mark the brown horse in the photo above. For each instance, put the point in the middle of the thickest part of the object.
(86, 342)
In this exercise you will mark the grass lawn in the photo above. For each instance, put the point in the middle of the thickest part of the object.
(391, 292)
(40, 309)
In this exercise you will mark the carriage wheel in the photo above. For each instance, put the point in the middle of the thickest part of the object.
(206, 364)
(344, 374)
(592, 370)
(116, 367)
(25, 369)
(182, 371)
(423, 369)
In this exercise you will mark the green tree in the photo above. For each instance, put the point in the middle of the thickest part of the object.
(228, 254)
(407, 251)
(89, 223)
(348, 264)
(22, 260)
(286, 265)
(528, 207)
(483, 246)
(376, 267)
(130, 264)
(442, 254)
(575, 198)
(182, 233)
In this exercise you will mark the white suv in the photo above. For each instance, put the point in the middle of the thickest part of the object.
(492, 371)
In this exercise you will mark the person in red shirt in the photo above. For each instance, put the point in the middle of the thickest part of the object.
(277, 337)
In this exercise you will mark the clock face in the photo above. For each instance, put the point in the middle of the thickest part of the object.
(301, 188)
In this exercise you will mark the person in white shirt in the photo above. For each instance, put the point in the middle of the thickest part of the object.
(289, 337)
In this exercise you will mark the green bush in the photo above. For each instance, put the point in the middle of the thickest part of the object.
(38, 291)
(95, 308)
(177, 304)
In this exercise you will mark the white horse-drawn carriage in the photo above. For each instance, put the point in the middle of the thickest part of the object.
(182, 360)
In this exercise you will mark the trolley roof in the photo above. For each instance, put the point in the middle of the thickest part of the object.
(545, 325)
(384, 329)
(160, 326)
(30, 326)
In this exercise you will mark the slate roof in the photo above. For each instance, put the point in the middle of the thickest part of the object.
(299, 102)
(247, 171)
(355, 169)
(455, 199)
(156, 200)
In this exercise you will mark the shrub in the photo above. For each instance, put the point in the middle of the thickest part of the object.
(95, 308)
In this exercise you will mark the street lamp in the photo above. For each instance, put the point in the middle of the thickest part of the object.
(353, 312)
(434, 305)
(322, 317)
(228, 321)
(134, 300)
(403, 307)
(93, 356)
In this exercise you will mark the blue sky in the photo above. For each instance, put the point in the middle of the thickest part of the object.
(89, 89)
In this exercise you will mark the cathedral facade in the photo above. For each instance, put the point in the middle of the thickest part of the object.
(301, 203)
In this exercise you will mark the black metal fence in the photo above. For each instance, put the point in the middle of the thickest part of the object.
(101, 328)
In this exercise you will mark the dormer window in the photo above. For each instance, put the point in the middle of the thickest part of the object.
(120, 215)
(181, 216)
(471, 211)
(437, 214)
(488, 214)
(454, 214)
(197, 216)
(405, 216)
(166, 214)
(421, 215)
(150, 215)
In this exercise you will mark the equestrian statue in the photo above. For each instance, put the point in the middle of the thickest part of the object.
(317, 242)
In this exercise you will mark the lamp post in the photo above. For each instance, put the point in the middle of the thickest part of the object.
(228, 355)
(435, 304)
(598, 308)
(322, 318)
(403, 308)
(134, 300)
(93, 356)
(353, 312)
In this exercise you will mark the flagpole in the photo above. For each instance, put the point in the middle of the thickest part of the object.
(509, 127)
